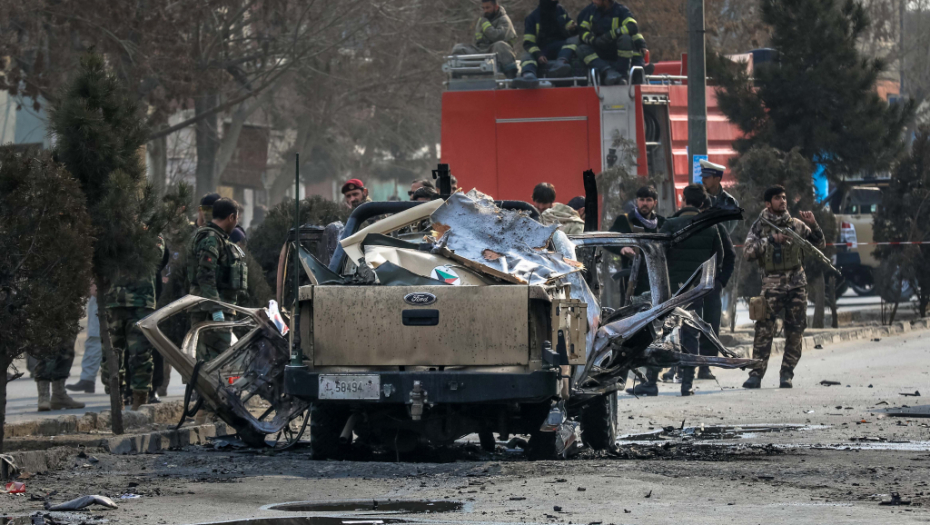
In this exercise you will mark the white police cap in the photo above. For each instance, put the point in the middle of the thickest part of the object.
(711, 169)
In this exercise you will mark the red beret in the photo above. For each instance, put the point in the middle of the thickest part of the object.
(352, 184)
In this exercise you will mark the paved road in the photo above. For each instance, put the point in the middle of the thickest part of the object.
(817, 475)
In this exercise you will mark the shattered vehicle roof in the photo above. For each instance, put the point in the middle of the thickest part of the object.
(505, 243)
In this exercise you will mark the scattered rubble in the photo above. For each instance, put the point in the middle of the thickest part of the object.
(83, 502)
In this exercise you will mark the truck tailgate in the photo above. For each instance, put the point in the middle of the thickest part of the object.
(377, 326)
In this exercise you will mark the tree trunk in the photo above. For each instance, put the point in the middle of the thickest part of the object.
(207, 145)
(158, 151)
(229, 143)
(831, 297)
(306, 140)
(116, 393)
(4, 365)
(817, 291)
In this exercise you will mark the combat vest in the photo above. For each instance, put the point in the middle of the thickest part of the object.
(780, 258)
(232, 273)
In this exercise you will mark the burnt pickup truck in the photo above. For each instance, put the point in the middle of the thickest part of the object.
(481, 322)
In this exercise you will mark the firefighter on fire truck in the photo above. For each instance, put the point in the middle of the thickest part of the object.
(545, 32)
(610, 42)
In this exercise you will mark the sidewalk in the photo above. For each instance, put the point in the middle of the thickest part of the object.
(740, 341)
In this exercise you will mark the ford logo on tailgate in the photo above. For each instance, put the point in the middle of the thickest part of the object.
(420, 298)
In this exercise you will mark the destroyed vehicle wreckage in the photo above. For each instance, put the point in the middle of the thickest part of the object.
(484, 325)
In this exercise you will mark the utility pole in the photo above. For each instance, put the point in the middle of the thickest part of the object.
(697, 79)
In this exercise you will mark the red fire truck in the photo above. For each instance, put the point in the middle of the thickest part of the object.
(505, 141)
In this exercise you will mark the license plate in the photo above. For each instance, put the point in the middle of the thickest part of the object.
(350, 386)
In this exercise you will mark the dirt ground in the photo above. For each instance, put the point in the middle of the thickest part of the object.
(813, 454)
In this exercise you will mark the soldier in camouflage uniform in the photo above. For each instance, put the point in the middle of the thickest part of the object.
(52, 372)
(217, 270)
(784, 284)
(127, 303)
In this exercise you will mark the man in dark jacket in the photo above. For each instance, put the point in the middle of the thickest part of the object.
(643, 219)
(684, 259)
(544, 33)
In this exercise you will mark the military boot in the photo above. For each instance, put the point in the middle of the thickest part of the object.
(139, 398)
(687, 380)
(612, 78)
(45, 398)
(527, 80)
(649, 388)
(559, 68)
(753, 382)
(785, 381)
(705, 373)
(60, 399)
(83, 385)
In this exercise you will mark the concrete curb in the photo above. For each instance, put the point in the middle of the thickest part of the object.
(154, 442)
(841, 335)
(161, 413)
(147, 443)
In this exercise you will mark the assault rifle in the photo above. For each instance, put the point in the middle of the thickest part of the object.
(805, 245)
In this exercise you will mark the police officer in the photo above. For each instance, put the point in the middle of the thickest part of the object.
(683, 260)
(128, 302)
(712, 303)
(545, 31)
(217, 270)
(610, 42)
(711, 177)
(784, 284)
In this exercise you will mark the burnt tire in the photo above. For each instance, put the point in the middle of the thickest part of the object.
(486, 437)
(541, 446)
(599, 422)
(326, 424)
(251, 437)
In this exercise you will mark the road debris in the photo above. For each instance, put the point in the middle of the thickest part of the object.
(895, 500)
(915, 394)
(829, 383)
(8, 467)
(15, 487)
(83, 502)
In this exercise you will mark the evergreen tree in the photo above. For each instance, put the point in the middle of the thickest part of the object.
(819, 94)
(100, 130)
(904, 216)
(45, 258)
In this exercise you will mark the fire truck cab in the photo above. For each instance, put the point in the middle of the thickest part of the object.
(504, 141)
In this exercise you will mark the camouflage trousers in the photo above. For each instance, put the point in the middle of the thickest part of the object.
(133, 349)
(58, 365)
(794, 302)
(210, 343)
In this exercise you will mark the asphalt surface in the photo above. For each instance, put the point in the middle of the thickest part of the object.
(810, 455)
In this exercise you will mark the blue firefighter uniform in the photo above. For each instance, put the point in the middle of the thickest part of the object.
(609, 38)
